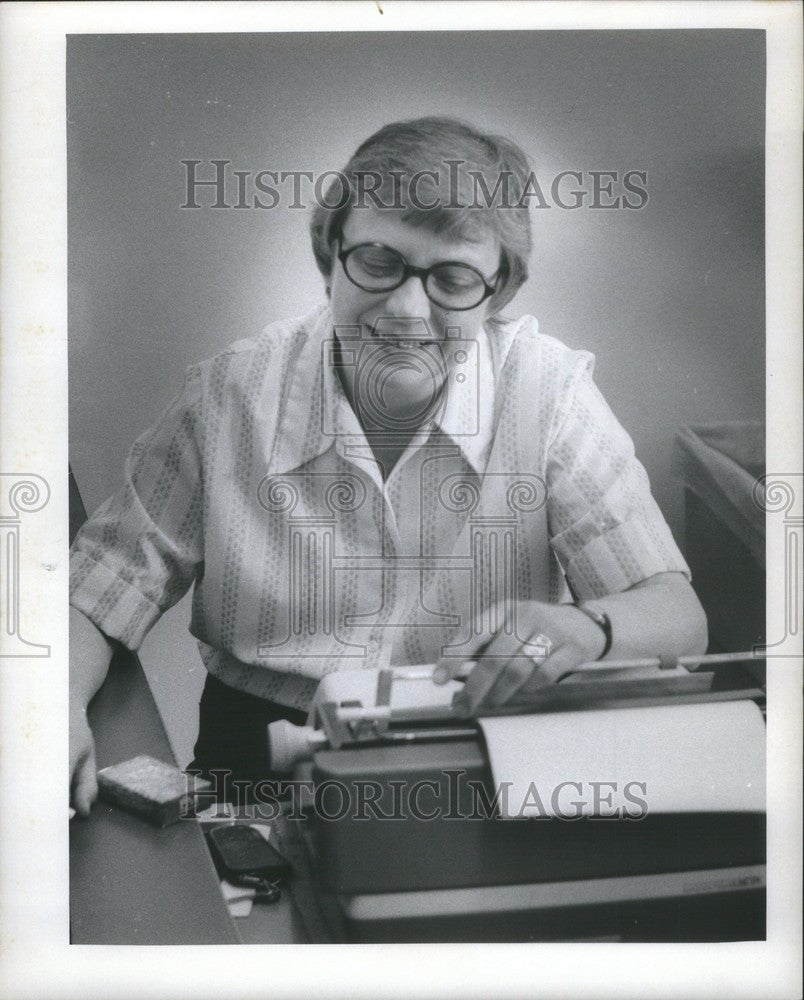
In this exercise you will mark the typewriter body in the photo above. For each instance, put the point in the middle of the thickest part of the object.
(624, 803)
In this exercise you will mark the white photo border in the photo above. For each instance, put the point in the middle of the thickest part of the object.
(36, 959)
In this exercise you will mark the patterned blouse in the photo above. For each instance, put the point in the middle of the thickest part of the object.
(258, 486)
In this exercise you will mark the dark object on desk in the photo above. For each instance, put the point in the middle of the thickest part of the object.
(719, 466)
(154, 790)
(266, 890)
(239, 850)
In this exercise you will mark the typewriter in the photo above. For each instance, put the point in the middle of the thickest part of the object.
(625, 803)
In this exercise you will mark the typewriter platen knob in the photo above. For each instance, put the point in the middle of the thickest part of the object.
(288, 745)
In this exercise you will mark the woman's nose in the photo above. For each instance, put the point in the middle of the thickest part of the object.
(409, 300)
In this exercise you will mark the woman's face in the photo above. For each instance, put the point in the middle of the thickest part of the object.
(406, 363)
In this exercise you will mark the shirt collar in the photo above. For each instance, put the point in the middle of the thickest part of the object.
(317, 415)
(304, 424)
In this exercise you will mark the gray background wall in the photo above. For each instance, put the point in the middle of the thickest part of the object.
(670, 298)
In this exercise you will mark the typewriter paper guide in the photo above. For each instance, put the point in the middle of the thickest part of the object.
(690, 758)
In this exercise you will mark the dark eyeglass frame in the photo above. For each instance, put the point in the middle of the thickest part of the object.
(422, 273)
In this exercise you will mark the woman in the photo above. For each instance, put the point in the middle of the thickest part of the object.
(401, 476)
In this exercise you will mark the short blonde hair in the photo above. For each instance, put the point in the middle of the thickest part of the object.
(484, 176)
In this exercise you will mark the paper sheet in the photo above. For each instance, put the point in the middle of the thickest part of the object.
(671, 758)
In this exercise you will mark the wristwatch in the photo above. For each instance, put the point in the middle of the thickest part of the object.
(599, 618)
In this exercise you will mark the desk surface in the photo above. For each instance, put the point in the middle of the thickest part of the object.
(133, 883)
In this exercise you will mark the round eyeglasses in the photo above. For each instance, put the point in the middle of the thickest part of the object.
(454, 285)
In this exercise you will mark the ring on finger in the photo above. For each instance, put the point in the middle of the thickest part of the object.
(544, 649)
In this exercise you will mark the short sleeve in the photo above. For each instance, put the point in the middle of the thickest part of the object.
(140, 551)
(606, 529)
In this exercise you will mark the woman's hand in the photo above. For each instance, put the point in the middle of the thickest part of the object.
(90, 653)
(557, 637)
(83, 783)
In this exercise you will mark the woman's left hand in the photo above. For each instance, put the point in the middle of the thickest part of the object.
(509, 667)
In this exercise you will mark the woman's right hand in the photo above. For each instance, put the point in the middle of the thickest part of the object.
(83, 769)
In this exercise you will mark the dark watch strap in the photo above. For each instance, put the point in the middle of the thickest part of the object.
(599, 618)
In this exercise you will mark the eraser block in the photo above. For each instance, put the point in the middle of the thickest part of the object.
(158, 792)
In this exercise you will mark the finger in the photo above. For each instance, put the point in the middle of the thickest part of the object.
(477, 686)
(510, 681)
(85, 784)
(561, 662)
(449, 669)
(517, 668)
(491, 662)
(490, 666)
